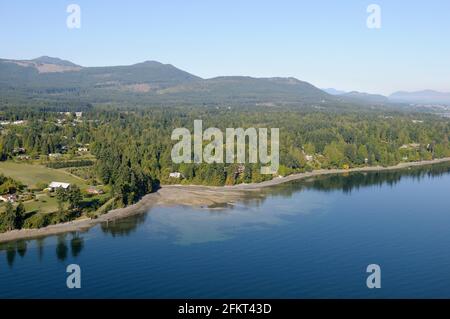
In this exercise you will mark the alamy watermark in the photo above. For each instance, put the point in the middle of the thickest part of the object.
(74, 18)
(374, 19)
(258, 151)
(74, 279)
(374, 279)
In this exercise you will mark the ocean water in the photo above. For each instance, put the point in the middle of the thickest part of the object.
(304, 239)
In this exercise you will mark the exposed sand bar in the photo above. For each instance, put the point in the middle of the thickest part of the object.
(191, 195)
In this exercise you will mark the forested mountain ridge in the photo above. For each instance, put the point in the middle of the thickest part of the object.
(30, 75)
(149, 82)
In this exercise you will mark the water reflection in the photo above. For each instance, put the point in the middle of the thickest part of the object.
(13, 249)
(40, 247)
(10, 254)
(61, 247)
(20, 247)
(185, 226)
(77, 245)
(357, 180)
(124, 227)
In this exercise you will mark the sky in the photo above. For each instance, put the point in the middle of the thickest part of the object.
(324, 42)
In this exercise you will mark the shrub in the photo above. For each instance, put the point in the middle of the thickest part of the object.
(38, 220)
(79, 163)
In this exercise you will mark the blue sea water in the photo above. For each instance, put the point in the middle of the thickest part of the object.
(305, 239)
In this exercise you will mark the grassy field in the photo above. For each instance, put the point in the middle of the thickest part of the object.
(32, 175)
(45, 204)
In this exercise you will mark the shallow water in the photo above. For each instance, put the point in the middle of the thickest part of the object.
(305, 239)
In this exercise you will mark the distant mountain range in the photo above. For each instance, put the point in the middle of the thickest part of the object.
(152, 82)
(361, 97)
(417, 97)
(422, 97)
(334, 91)
(366, 97)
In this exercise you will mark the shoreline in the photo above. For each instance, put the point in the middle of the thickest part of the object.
(193, 196)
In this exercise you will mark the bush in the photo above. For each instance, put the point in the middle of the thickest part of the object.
(79, 163)
(40, 187)
(37, 221)
(92, 215)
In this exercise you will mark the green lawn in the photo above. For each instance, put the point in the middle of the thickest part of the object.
(31, 175)
(45, 204)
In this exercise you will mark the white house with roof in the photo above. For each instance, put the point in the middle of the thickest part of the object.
(55, 185)
(12, 198)
(176, 175)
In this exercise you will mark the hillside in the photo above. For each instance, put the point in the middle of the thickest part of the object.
(149, 82)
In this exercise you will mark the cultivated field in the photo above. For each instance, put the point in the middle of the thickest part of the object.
(33, 175)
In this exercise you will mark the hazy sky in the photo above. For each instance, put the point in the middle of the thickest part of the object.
(323, 42)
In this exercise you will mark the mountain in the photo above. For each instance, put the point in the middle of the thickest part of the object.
(366, 97)
(50, 74)
(358, 97)
(149, 82)
(421, 97)
(334, 91)
(40, 65)
(249, 90)
(55, 61)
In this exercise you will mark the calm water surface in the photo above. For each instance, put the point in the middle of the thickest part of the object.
(305, 239)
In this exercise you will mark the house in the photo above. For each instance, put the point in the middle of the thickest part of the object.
(82, 149)
(176, 175)
(309, 158)
(55, 155)
(239, 170)
(20, 122)
(19, 150)
(94, 191)
(12, 198)
(412, 145)
(55, 185)
(24, 157)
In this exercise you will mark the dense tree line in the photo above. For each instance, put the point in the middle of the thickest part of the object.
(65, 164)
(132, 145)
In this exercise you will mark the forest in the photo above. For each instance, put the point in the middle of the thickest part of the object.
(131, 146)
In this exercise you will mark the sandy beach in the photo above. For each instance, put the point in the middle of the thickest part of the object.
(191, 195)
